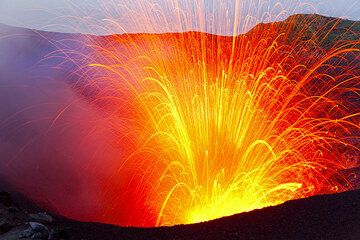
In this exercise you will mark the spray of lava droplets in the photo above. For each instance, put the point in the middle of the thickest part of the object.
(216, 125)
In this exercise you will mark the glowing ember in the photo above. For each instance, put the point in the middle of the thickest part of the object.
(213, 126)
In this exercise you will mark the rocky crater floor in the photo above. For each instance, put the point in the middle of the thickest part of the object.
(335, 216)
(16, 223)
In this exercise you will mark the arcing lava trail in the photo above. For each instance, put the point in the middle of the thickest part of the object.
(213, 125)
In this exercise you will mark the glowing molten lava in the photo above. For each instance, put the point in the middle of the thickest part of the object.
(213, 126)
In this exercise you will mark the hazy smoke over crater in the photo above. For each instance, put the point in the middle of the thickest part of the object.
(90, 16)
(48, 130)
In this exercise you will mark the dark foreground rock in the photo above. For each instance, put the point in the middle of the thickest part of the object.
(334, 216)
(19, 224)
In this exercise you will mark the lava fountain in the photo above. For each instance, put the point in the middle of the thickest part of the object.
(216, 125)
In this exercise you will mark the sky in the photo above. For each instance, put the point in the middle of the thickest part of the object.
(117, 16)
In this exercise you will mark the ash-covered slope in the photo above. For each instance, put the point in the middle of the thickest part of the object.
(327, 31)
(327, 217)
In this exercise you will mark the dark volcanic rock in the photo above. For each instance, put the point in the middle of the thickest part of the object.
(322, 217)
(35, 231)
(19, 224)
(42, 217)
(5, 199)
(334, 216)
